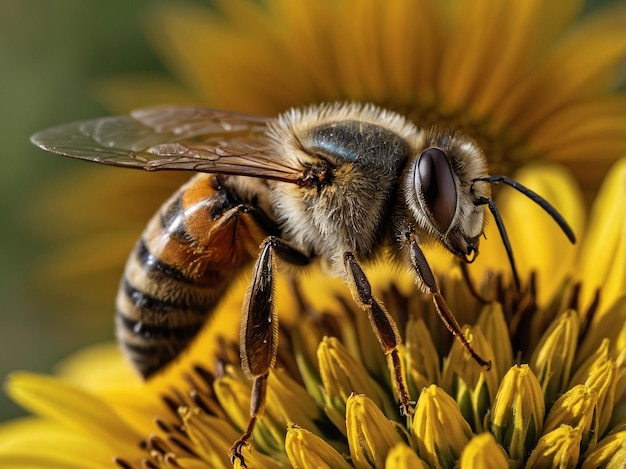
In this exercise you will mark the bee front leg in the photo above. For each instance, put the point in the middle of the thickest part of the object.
(259, 330)
(447, 317)
(383, 325)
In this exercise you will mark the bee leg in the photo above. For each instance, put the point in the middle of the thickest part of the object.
(259, 330)
(257, 407)
(382, 323)
(423, 270)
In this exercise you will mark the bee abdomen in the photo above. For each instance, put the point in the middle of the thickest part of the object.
(159, 311)
(180, 268)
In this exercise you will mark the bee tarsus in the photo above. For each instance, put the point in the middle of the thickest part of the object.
(257, 407)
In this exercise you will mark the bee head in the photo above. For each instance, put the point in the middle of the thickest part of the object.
(442, 191)
(447, 187)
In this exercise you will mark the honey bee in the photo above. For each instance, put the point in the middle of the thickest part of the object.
(341, 184)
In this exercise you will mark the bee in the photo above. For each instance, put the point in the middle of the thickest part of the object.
(340, 184)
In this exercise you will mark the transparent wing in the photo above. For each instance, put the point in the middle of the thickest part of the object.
(173, 138)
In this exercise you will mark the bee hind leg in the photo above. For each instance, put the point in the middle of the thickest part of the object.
(259, 330)
(383, 325)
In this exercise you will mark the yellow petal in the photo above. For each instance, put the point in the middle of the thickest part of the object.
(583, 131)
(412, 24)
(99, 367)
(559, 448)
(473, 387)
(307, 451)
(553, 356)
(210, 33)
(611, 326)
(36, 443)
(599, 357)
(71, 406)
(342, 375)
(507, 47)
(602, 262)
(483, 451)
(439, 428)
(576, 408)
(289, 402)
(370, 434)
(212, 437)
(422, 358)
(233, 393)
(403, 457)
(461, 366)
(598, 42)
(609, 454)
(557, 18)
(496, 331)
(309, 32)
(603, 381)
(518, 411)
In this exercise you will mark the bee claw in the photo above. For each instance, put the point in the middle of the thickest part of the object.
(235, 453)
(407, 409)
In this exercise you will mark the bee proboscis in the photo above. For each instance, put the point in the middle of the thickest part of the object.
(334, 183)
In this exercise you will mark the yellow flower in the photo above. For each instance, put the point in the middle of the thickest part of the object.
(330, 397)
(517, 412)
(536, 81)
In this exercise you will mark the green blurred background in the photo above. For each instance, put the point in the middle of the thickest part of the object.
(51, 54)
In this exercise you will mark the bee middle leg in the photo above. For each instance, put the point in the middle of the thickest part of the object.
(259, 330)
(383, 325)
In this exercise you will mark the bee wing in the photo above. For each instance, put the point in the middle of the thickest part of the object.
(174, 138)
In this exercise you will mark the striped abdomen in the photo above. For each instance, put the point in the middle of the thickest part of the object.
(186, 258)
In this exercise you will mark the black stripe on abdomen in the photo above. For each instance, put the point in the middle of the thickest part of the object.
(150, 262)
(155, 332)
(159, 310)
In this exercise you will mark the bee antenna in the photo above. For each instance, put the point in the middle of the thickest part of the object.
(505, 237)
(543, 203)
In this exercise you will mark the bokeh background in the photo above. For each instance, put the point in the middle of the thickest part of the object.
(53, 54)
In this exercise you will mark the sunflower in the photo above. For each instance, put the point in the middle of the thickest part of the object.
(555, 396)
(535, 85)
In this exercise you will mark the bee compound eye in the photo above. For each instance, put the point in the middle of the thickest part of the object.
(436, 185)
